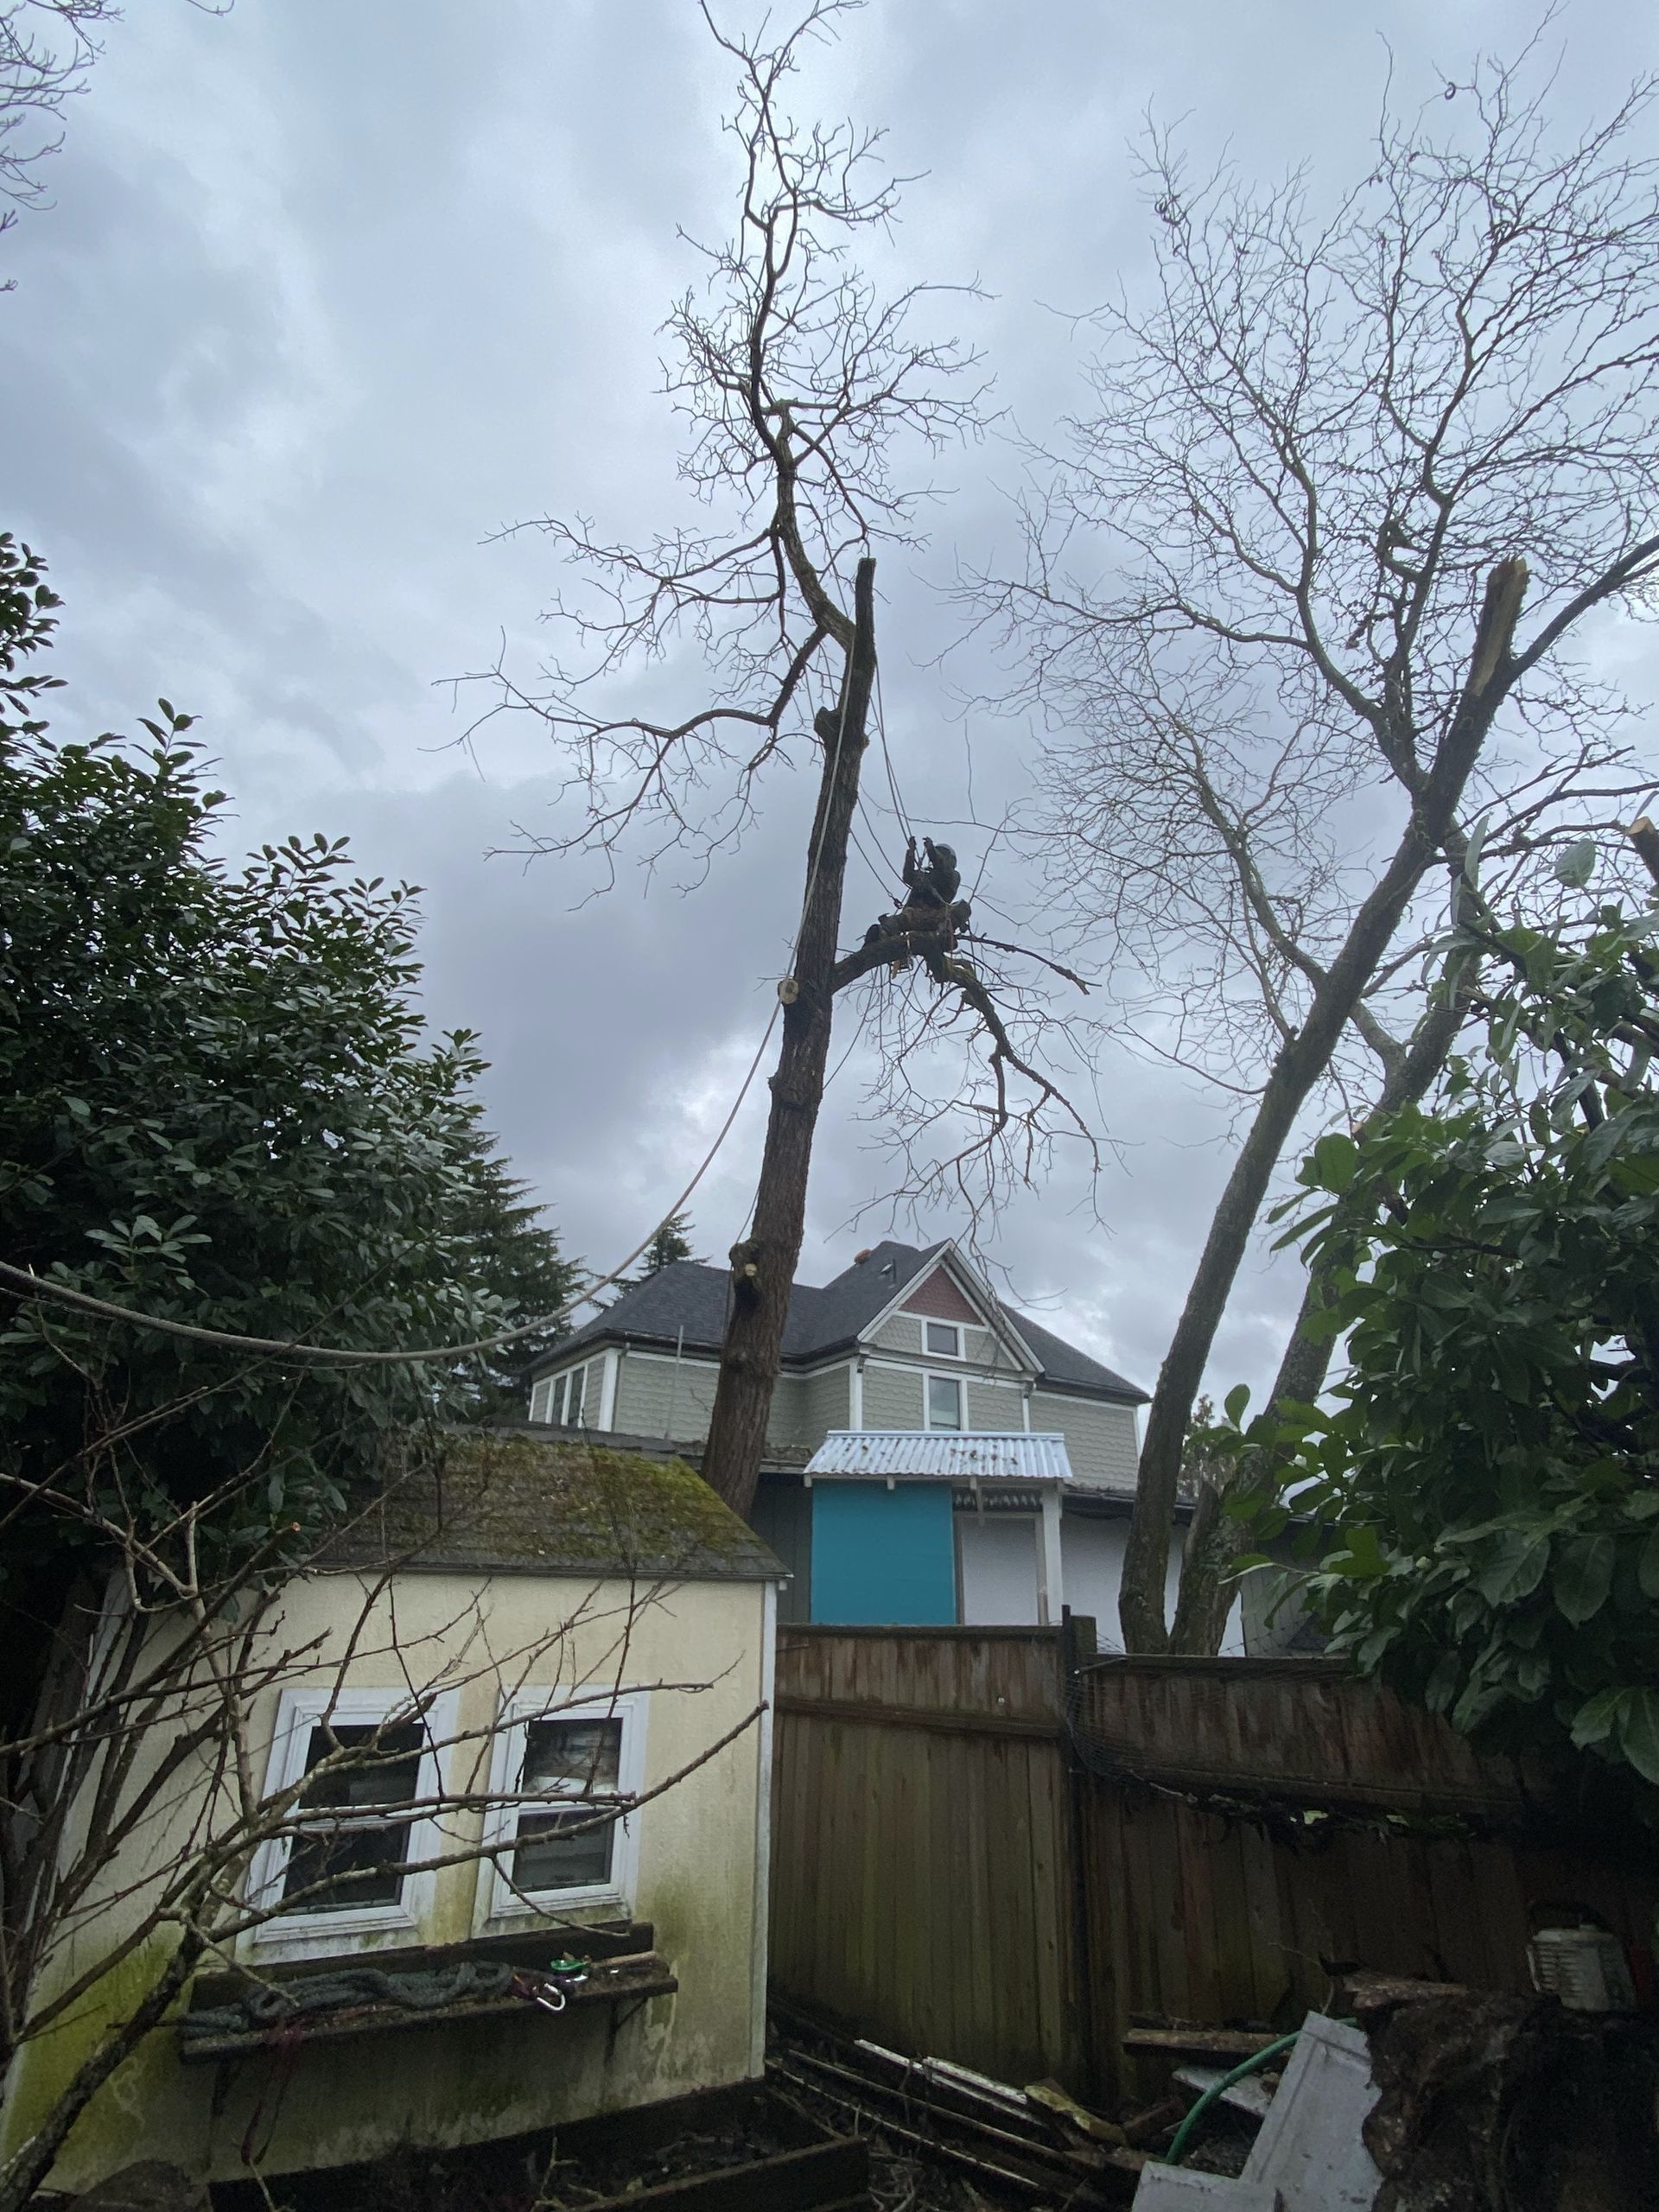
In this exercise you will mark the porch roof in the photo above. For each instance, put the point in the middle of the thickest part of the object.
(943, 1455)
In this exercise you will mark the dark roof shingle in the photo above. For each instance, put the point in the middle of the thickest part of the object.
(686, 1301)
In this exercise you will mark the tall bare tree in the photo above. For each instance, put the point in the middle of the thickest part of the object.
(814, 409)
(1305, 589)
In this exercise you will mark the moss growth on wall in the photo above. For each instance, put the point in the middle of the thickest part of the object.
(45, 2066)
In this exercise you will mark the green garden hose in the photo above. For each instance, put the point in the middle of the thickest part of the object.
(1250, 2065)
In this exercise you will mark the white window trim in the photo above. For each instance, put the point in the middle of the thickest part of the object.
(932, 1351)
(610, 1367)
(499, 1905)
(308, 1935)
(557, 1405)
(960, 1428)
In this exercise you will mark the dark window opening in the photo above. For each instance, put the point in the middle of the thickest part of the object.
(360, 1856)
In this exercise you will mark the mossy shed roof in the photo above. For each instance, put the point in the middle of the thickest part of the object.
(514, 1505)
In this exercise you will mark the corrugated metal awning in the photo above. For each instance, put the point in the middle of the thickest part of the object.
(943, 1455)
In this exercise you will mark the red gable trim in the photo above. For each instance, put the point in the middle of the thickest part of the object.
(938, 1298)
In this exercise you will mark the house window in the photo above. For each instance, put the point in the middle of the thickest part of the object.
(369, 1773)
(541, 1399)
(944, 1401)
(569, 1393)
(557, 1767)
(943, 1339)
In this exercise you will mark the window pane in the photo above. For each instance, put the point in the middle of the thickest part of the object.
(390, 1780)
(347, 1867)
(574, 1755)
(942, 1339)
(578, 1391)
(578, 1758)
(944, 1402)
(343, 1866)
(546, 1859)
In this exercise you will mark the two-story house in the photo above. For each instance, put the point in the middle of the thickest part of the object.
(933, 1455)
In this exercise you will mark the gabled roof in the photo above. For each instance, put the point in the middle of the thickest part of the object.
(505, 1502)
(941, 1455)
(686, 1301)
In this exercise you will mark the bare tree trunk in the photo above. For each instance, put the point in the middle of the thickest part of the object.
(763, 1265)
(1301, 1062)
(1213, 1541)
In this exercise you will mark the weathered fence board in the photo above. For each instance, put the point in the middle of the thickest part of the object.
(1299, 1727)
(958, 1872)
(921, 1804)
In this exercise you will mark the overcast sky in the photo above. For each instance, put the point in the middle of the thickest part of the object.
(330, 290)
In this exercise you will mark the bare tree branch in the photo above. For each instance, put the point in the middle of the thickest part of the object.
(1271, 597)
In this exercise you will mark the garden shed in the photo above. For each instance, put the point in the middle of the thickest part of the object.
(512, 1728)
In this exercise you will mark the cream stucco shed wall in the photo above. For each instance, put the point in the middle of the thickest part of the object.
(701, 1880)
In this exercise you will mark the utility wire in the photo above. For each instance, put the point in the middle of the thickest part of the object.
(43, 1290)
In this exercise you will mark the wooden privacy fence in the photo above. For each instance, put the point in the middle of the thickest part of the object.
(981, 1856)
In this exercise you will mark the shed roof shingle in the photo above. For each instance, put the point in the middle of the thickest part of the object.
(507, 1503)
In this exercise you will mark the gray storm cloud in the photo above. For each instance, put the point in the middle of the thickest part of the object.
(327, 294)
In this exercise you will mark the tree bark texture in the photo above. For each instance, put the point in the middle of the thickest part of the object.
(1299, 1067)
(1213, 1540)
(763, 1264)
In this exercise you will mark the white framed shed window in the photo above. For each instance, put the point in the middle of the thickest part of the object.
(557, 1765)
(944, 1401)
(943, 1339)
(541, 1399)
(371, 1773)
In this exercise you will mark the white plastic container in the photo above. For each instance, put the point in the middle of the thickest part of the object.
(1585, 1967)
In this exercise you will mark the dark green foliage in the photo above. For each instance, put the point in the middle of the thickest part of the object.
(1493, 1466)
(671, 1242)
(217, 1104)
(521, 1263)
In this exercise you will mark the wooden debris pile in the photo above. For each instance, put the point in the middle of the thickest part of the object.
(1035, 2146)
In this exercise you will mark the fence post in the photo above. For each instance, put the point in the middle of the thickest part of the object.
(1076, 1646)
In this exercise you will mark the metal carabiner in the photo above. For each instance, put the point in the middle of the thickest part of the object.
(540, 1989)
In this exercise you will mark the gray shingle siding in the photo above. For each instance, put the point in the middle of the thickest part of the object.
(657, 1397)
(827, 1403)
(790, 1419)
(893, 1397)
(1100, 1440)
(985, 1348)
(900, 1332)
(996, 1405)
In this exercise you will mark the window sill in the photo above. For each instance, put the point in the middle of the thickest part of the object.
(303, 1938)
(586, 1909)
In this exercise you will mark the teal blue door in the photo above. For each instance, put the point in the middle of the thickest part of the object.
(883, 1557)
